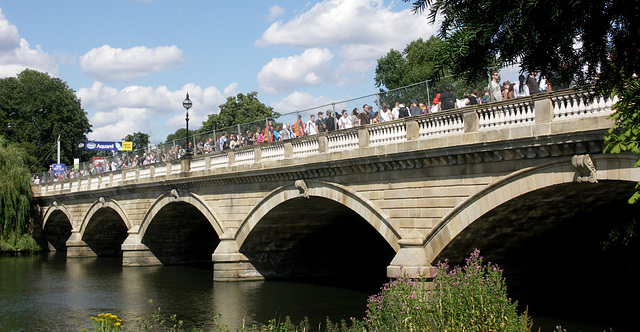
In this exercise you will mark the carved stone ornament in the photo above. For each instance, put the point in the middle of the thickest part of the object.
(174, 193)
(302, 187)
(585, 169)
(102, 201)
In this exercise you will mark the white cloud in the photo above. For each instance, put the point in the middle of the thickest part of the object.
(311, 68)
(16, 55)
(117, 113)
(348, 22)
(356, 32)
(108, 64)
(274, 12)
(298, 100)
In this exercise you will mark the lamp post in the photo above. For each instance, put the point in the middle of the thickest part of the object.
(187, 105)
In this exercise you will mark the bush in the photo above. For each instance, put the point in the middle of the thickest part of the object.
(469, 298)
(15, 243)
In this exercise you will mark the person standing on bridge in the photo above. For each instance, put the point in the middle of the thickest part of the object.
(330, 121)
(345, 121)
(298, 127)
(321, 123)
(268, 132)
(311, 127)
(532, 83)
(495, 92)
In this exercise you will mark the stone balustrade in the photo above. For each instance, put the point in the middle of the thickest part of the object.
(529, 111)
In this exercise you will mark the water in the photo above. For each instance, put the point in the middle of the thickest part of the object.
(47, 292)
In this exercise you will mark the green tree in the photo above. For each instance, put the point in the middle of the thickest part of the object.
(15, 199)
(179, 134)
(35, 109)
(579, 41)
(140, 140)
(417, 63)
(237, 110)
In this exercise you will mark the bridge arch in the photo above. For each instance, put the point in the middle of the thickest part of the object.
(53, 208)
(57, 224)
(104, 204)
(185, 197)
(331, 191)
(527, 180)
(192, 239)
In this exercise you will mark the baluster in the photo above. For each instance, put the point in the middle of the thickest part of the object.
(556, 107)
(582, 108)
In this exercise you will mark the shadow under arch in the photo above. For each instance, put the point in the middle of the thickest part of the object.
(180, 228)
(104, 227)
(57, 223)
(189, 198)
(318, 232)
(609, 168)
(330, 191)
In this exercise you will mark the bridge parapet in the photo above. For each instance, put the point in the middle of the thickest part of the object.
(524, 117)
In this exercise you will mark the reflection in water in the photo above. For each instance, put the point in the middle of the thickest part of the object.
(49, 292)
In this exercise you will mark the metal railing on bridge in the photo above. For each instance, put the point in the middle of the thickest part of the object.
(566, 105)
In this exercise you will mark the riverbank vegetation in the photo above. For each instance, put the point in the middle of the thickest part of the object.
(472, 297)
(15, 200)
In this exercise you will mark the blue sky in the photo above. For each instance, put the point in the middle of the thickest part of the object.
(131, 62)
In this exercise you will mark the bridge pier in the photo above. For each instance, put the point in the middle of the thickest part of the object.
(135, 253)
(76, 248)
(411, 260)
(229, 264)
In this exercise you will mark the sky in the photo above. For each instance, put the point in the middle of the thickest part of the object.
(131, 62)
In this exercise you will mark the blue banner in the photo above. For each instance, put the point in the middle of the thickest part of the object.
(104, 146)
(58, 169)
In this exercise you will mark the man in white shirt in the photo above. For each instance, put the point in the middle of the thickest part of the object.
(345, 121)
(311, 128)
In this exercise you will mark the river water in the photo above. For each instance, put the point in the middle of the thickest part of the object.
(48, 292)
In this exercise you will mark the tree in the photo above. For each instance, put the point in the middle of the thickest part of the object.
(15, 199)
(579, 41)
(179, 134)
(417, 63)
(35, 109)
(238, 110)
(140, 140)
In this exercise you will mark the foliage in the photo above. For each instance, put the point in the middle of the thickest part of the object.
(35, 109)
(417, 63)
(624, 135)
(579, 41)
(16, 243)
(179, 134)
(140, 140)
(107, 323)
(468, 298)
(15, 199)
(237, 110)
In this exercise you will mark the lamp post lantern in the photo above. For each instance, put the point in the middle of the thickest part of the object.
(187, 105)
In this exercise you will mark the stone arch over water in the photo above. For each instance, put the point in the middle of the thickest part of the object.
(608, 168)
(180, 228)
(330, 191)
(57, 223)
(318, 230)
(104, 227)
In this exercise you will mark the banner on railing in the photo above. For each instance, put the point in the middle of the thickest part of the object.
(108, 146)
(58, 169)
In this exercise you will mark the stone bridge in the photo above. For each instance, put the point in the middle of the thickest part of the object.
(377, 199)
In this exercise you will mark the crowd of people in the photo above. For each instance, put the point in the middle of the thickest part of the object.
(324, 122)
